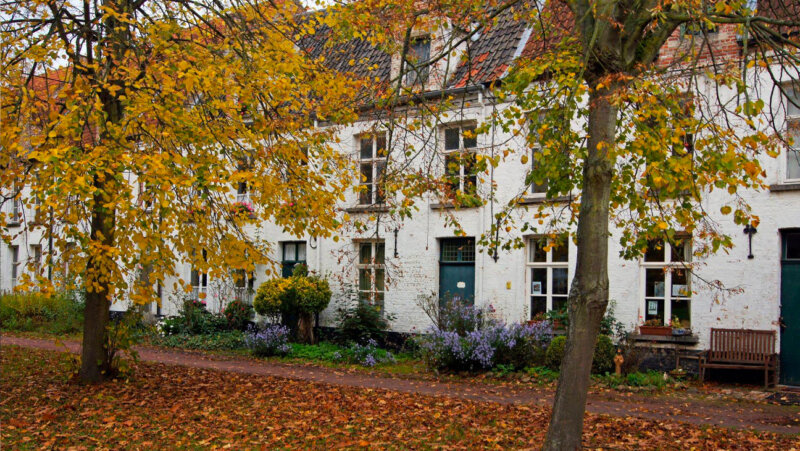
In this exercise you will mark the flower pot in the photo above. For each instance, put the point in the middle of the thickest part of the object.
(655, 330)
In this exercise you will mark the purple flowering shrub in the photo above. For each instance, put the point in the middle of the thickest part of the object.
(271, 340)
(368, 354)
(474, 341)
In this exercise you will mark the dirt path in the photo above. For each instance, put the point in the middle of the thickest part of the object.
(764, 417)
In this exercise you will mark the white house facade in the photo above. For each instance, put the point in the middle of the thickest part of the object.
(397, 261)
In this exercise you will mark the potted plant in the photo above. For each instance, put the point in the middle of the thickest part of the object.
(677, 327)
(655, 327)
(244, 208)
(558, 318)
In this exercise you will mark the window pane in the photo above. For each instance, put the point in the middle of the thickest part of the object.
(365, 196)
(654, 309)
(680, 309)
(380, 253)
(680, 285)
(364, 279)
(561, 251)
(379, 279)
(452, 168)
(379, 168)
(541, 187)
(458, 250)
(560, 281)
(654, 283)
(792, 108)
(290, 252)
(381, 144)
(366, 173)
(655, 252)
(538, 281)
(472, 141)
(793, 161)
(559, 303)
(301, 251)
(470, 184)
(538, 305)
(680, 251)
(451, 139)
(365, 253)
(792, 249)
(366, 148)
(537, 253)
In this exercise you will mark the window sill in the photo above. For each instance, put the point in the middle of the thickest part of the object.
(786, 186)
(677, 339)
(533, 200)
(375, 208)
(452, 206)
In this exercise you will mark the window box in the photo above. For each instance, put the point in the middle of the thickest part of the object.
(655, 330)
(244, 209)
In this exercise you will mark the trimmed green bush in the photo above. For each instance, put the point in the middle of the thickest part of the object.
(300, 294)
(361, 322)
(602, 362)
(604, 353)
(555, 352)
(57, 313)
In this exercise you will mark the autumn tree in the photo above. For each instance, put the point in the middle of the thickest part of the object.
(636, 132)
(135, 122)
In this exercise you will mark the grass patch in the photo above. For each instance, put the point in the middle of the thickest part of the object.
(54, 314)
(651, 379)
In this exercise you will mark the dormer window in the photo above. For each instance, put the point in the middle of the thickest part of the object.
(416, 64)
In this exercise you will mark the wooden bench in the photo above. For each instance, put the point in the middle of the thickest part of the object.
(744, 349)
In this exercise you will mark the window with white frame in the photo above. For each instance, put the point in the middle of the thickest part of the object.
(372, 164)
(460, 145)
(667, 290)
(35, 211)
(14, 251)
(793, 130)
(14, 207)
(293, 254)
(548, 269)
(371, 272)
(417, 66)
(199, 281)
(537, 188)
(536, 153)
(35, 258)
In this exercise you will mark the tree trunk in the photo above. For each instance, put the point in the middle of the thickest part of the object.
(95, 359)
(305, 328)
(589, 292)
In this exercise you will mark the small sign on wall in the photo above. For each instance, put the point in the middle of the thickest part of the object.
(461, 285)
(536, 287)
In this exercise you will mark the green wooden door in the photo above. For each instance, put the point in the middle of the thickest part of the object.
(790, 308)
(457, 270)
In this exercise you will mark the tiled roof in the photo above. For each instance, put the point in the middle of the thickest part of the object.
(488, 57)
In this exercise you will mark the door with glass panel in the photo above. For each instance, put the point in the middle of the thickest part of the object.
(457, 270)
(790, 307)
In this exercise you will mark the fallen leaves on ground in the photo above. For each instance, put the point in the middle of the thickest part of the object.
(179, 407)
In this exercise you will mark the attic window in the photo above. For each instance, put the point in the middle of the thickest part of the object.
(416, 61)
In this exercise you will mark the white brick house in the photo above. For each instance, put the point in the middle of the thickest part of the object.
(418, 255)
